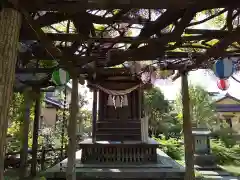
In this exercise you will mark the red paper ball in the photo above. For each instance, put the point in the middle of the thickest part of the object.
(223, 84)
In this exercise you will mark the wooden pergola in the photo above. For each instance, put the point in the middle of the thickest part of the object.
(96, 35)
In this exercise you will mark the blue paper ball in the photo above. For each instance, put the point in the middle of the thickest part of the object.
(224, 68)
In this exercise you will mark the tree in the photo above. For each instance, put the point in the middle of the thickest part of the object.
(10, 24)
(157, 109)
(201, 107)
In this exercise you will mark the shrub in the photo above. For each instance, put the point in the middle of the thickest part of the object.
(225, 155)
(171, 147)
(226, 135)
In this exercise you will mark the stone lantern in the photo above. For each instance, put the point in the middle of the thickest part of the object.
(202, 149)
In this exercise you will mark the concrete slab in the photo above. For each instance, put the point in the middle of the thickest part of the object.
(214, 173)
(220, 178)
(166, 168)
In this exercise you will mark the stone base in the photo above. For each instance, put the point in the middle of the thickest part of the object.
(164, 168)
(204, 160)
(118, 153)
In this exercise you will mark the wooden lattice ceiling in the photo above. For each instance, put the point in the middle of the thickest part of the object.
(164, 31)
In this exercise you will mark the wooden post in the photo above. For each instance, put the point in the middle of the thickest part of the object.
(94, 116)
(43, 159)
(35, 133)
(187, 130)
(24, 133)
(71, 163)
(10, 24)
(64, 122)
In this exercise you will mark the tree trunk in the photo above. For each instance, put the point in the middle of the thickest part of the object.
(10, 23)
(71, 163)
(187, 130)
(24, 131)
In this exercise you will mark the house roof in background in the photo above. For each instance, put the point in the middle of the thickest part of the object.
(227, 95)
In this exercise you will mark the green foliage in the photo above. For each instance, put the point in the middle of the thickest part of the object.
(201, 107)
(171, 147)
(234, 170)
(226, 135)
(217, 22)
(99, 27)
(86, 117)
(16, 118)
(225, 155)
(154, 100)
(158, 111)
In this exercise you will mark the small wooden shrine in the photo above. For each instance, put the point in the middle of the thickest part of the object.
(120, 121)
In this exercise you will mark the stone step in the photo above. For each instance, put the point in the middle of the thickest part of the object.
(114, 137)
(119, 124)
(207, 168)
(118, 131)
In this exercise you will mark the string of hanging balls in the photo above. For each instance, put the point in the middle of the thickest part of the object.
(223, 69)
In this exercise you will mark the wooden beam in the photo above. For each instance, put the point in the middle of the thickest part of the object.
(50, 48)
(33, 70)
(81, 60)
(77, 5)
(218, 49)
(154, 50)
(167, 18)
(55, 17)
(72, 37)
(206, 32)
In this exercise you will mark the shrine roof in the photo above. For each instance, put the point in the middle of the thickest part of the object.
(85, 37)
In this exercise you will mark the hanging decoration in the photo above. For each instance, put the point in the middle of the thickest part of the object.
(117, 98)
(145, 77)
(223, 84)
(60, 77)
(110, 101)
(224, 68)
(117, 101)
(148, 73)
(154, 75)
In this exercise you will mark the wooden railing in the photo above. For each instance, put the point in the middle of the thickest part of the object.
(46, 158)
(118, 153)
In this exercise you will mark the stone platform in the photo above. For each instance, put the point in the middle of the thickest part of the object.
(163, 168)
